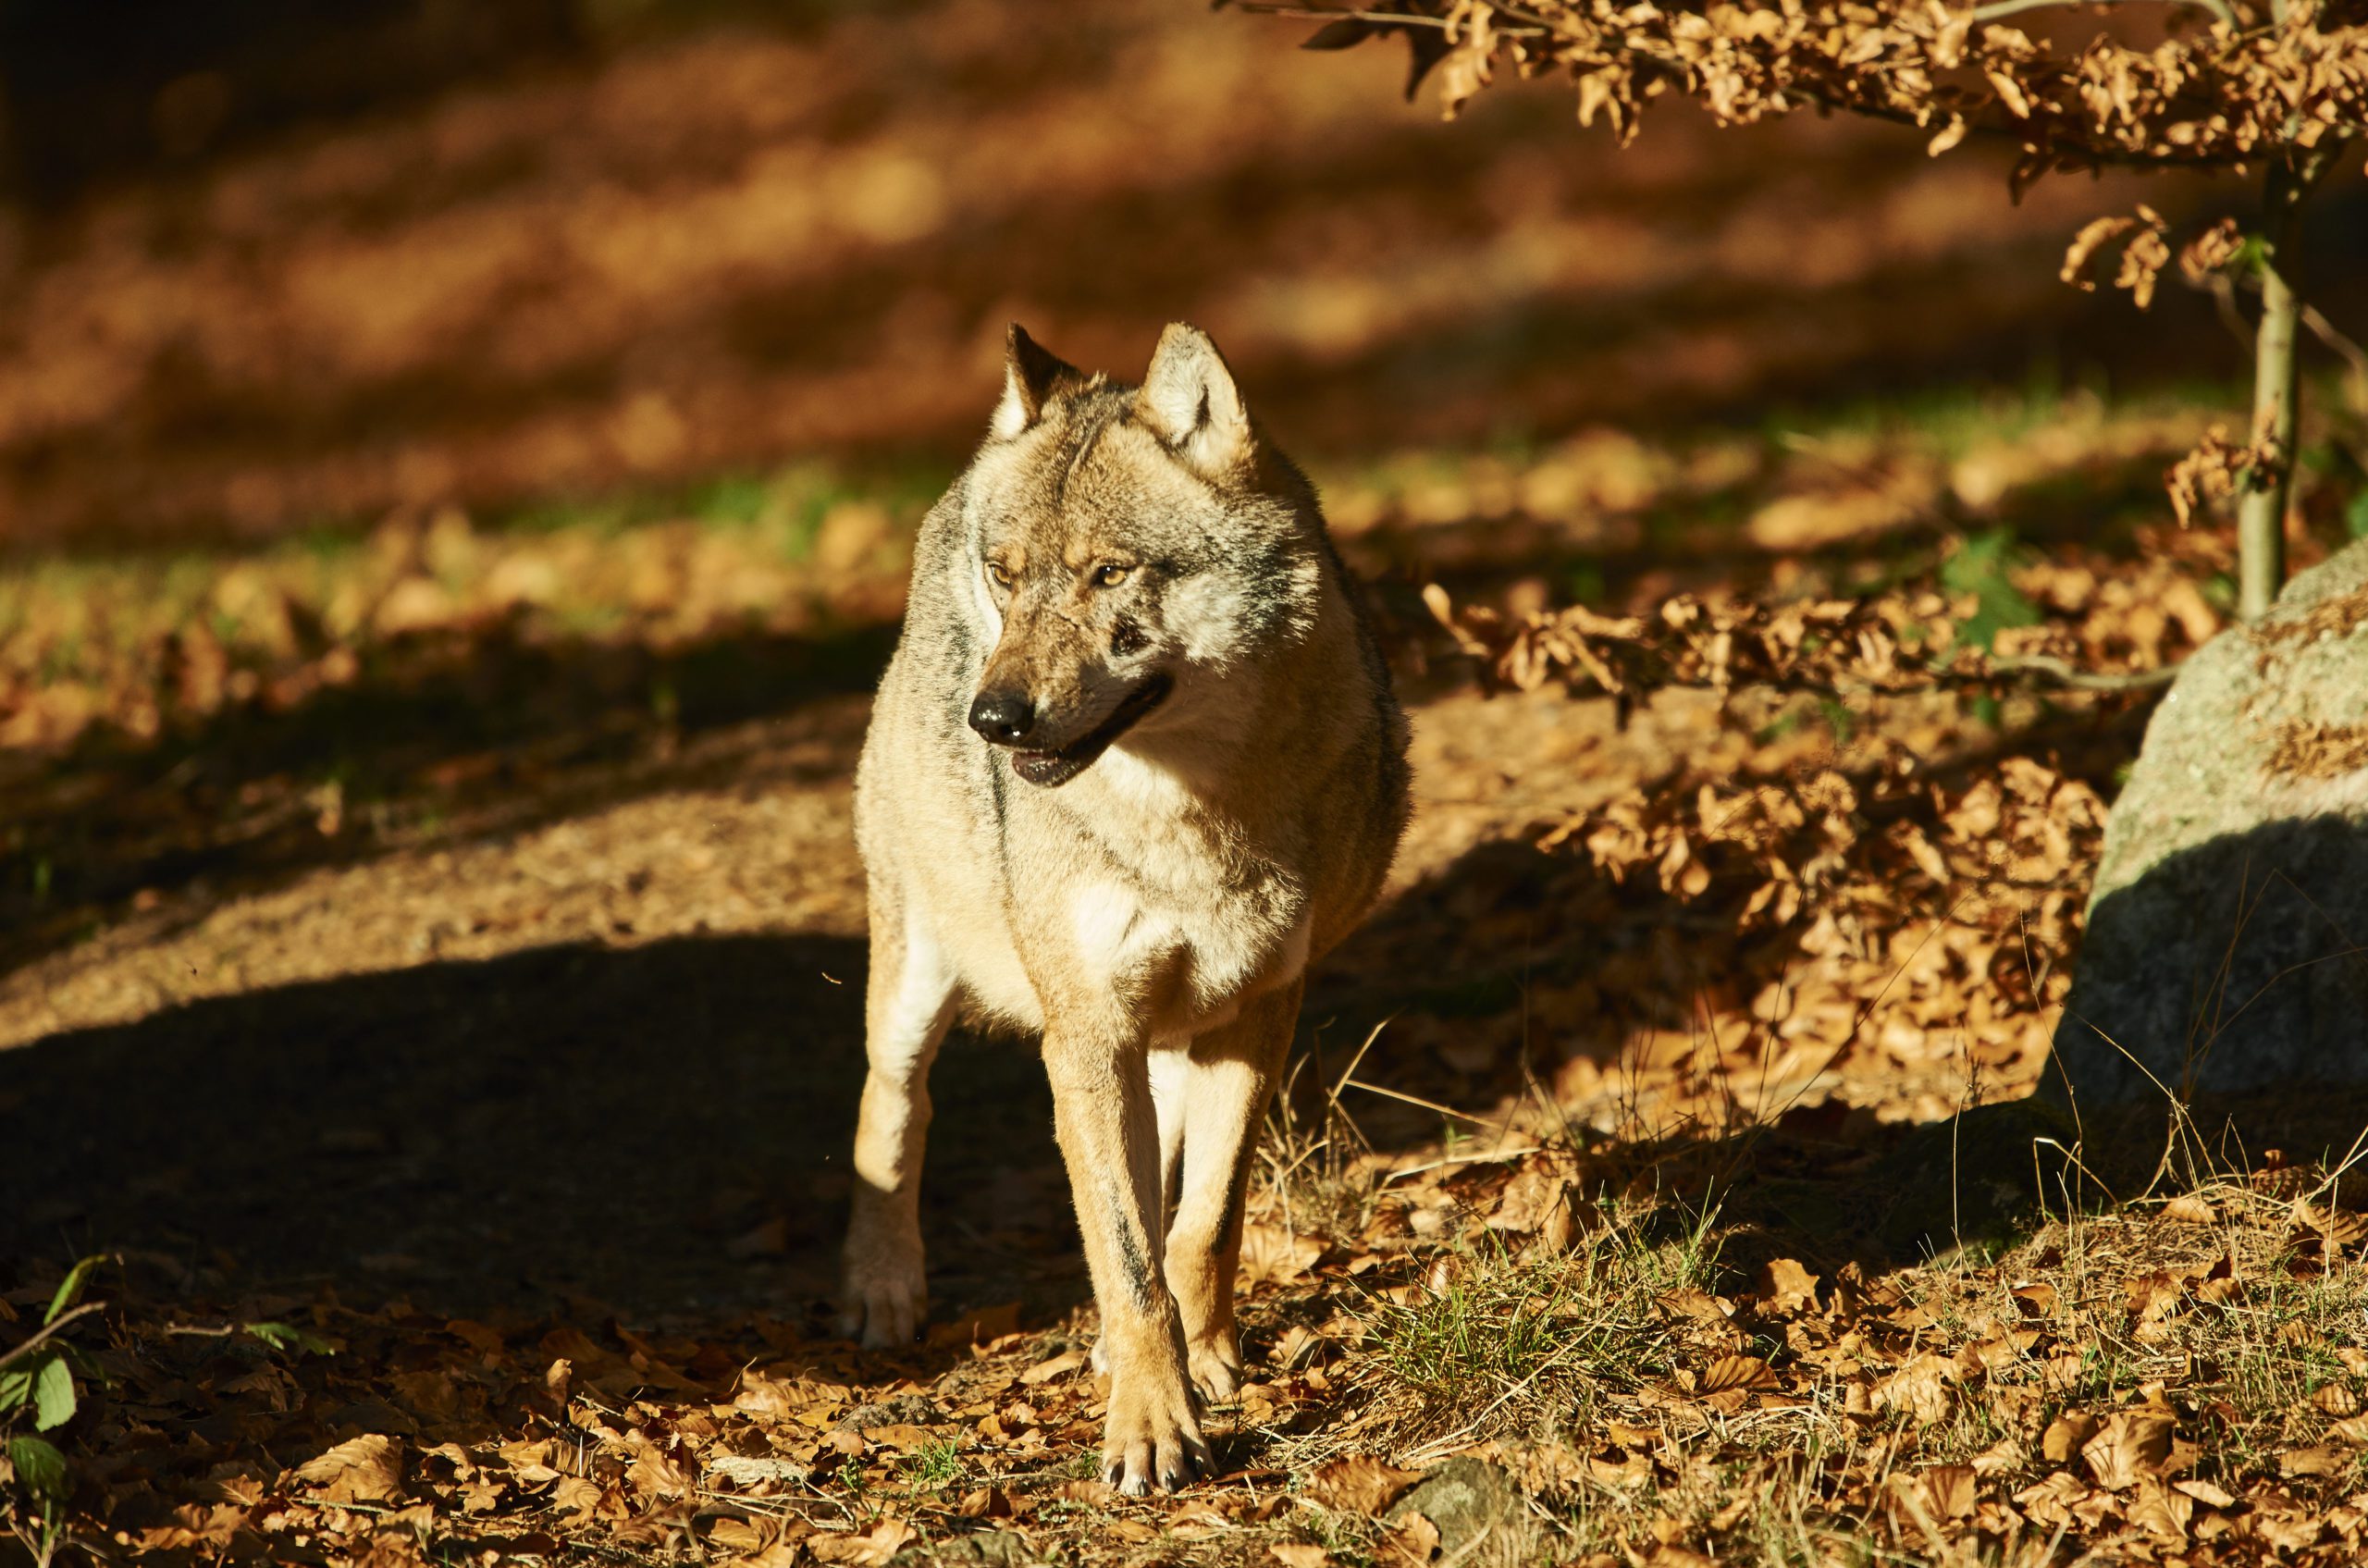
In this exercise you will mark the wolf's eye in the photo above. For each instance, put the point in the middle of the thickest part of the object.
(1109, 577)
(1001, 578)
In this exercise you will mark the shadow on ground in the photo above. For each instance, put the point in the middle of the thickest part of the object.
(2233, 967)
(657, 1134)
(653, 1132)
(461, 733)
(660, 1131)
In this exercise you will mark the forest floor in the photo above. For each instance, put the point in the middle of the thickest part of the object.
(434, 964)
(431, 942)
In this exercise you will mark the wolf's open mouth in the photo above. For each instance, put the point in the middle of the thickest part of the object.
(1052, 768)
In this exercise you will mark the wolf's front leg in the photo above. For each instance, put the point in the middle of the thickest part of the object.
(1224, 1092)
(1109, 1136)
(908, 1003)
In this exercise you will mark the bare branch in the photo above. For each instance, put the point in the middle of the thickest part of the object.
(2061, 673)
(1327, 14)
(2351, 353)
(49, 1332)
(1998, 9)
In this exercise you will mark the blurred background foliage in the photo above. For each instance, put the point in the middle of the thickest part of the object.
(273, 268)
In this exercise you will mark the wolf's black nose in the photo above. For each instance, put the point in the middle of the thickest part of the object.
(1003, 717)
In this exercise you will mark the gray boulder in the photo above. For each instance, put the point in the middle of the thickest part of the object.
(2223, 957)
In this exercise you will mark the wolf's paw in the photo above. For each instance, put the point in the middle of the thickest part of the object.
(885, 1296)
(1153, 1439)
(1217, 1367)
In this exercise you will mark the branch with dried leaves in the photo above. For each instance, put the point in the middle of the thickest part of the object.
(2244, 86)
(1836, 648)
(2282, 86)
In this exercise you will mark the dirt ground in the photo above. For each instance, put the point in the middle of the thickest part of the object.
(612, 1056)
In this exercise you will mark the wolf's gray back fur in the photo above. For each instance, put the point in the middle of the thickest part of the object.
(1136, 763)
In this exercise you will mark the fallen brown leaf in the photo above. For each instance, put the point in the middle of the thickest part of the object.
(2065, 1433)
(1729, 1381)
(978, 1327)
(2206, 1493)
(575, 1494)
(1061, 1364)
(1920, 1387)
(1272, 1255)
(2131, 1443)
(1411, 1542)
(870, 1550)
(1359, 1484)
(985, 1502)
(2161, 1510)
(1787, 1288)
(363, 1469)
(2313, 1462)
(1949, 1491)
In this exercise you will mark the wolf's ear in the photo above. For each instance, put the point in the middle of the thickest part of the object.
(1189, 399)
(1031, 376)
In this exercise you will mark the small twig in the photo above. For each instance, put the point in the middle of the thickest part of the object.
(1332, 1091)
(1384, 19)
(2344, 347)
(50, 1331)
(2063, 673)
(1428, 1167)
(2224, 300)
(1416, 1100)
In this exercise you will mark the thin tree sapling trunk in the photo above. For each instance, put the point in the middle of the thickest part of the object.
(2261, 513)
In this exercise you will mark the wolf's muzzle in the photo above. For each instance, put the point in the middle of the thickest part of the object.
(1048, 768)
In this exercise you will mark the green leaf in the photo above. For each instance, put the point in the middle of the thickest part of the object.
(284, 1335)
(53, 1394)
(16, 1388)
(1979, 567)
(70, 1290)
(40, 1468)
(2355, 516)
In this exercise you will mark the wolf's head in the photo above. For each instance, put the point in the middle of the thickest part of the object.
(1132, 551)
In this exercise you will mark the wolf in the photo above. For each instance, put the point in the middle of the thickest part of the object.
(1135, 764)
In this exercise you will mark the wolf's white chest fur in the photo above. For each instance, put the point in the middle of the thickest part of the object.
(1182, 911)
(1191, 893)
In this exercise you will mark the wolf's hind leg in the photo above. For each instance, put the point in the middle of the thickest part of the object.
(908, 1003)
(1233, 1074)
